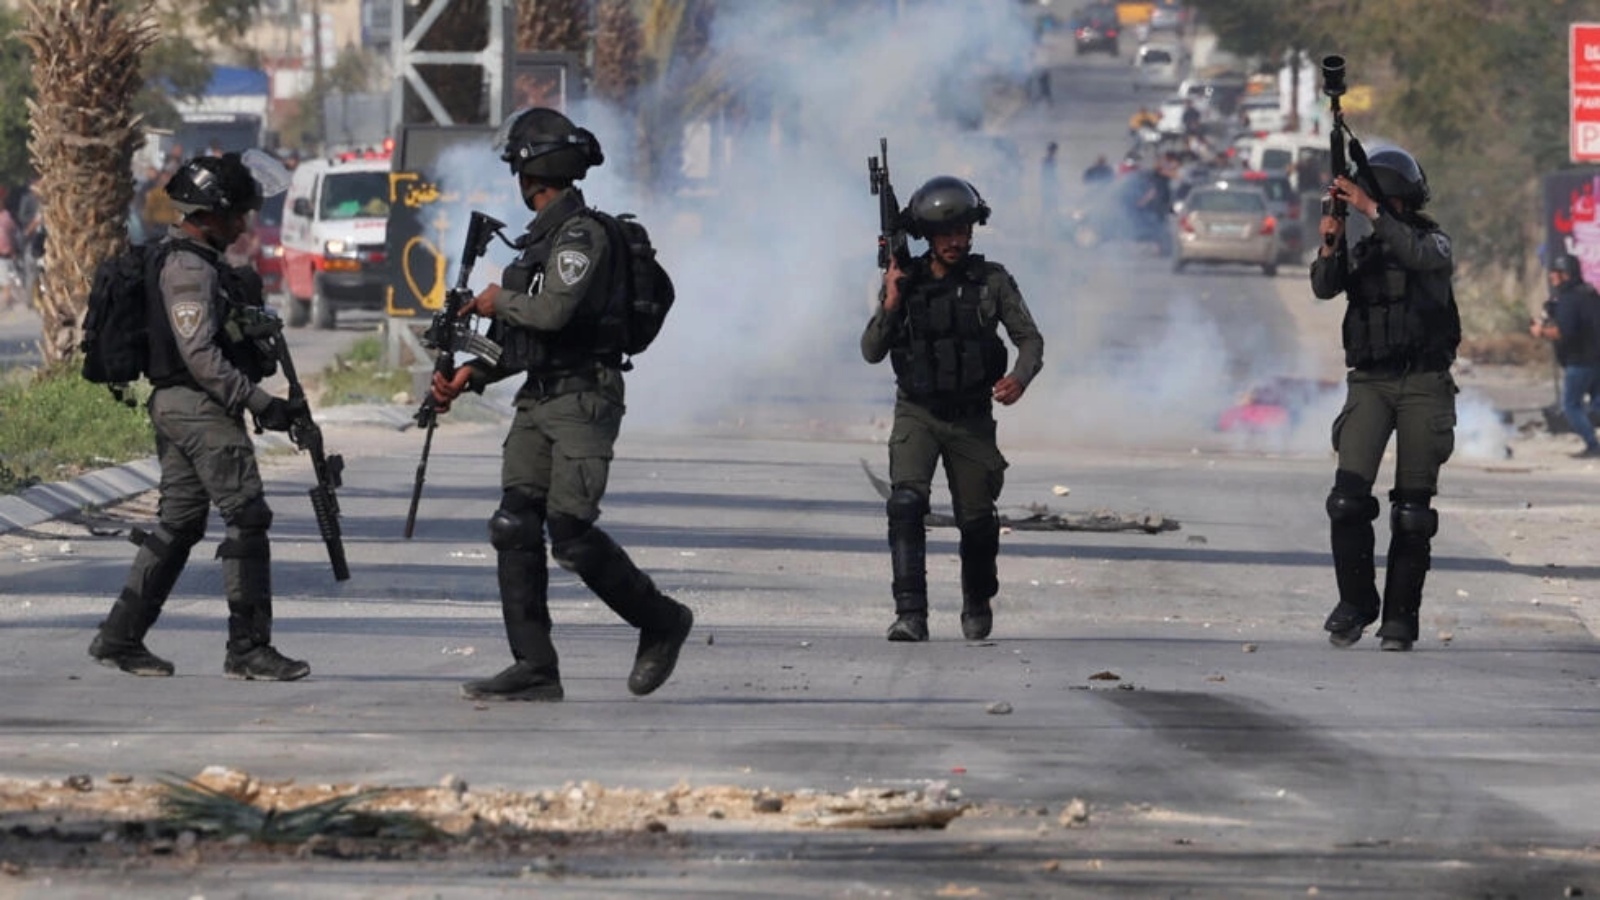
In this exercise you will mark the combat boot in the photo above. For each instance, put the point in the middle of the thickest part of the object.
(264, 663)
(520, 681)
(980, 580)
(1352, 539)
(658, 653)
(135, 659)
(908, 560)
(909, 628)
(1347, 623)
(1412, 525)
(119, 643)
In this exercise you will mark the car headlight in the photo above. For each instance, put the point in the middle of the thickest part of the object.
(337, 247)
(271, 251)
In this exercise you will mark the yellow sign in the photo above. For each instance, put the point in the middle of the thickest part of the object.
(1358, 98)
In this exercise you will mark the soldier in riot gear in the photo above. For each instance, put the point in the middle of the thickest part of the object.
(558, 452)
(1400, 333)
(938, 323)
(206, 374)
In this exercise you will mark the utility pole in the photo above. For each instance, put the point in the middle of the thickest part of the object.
(317, 93)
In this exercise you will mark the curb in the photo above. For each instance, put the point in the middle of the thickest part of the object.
(44, 502)
(102, 487)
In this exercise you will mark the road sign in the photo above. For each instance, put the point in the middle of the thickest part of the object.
(1584, 91)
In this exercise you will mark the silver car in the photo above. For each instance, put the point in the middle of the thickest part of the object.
(1232, 224)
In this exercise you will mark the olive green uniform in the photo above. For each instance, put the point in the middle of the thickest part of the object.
(1400, 333)
(557, 454)
(948, 356)
(203, 385)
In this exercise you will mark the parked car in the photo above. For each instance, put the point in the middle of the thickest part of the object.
(1157, 67)
(1166, 15)
(1096, 29)
(1226, 224)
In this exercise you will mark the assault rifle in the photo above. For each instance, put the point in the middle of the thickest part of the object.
(305, 434)
(255, 322)
(892, 243)
(450, 334)
(1341, 139)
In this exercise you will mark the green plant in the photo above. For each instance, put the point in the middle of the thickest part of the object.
(54, 425)
(192, 805)
(361, 375)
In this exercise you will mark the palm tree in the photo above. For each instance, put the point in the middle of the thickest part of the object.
(85, 71)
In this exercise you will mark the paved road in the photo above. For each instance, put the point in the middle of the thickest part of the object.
(1234, 755)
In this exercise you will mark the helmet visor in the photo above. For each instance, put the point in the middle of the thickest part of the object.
(268, 171)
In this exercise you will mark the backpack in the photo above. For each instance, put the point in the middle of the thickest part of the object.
(641, 290)
(116, 344)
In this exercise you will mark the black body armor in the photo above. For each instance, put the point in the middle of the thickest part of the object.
(1397, 319)
(952, 354)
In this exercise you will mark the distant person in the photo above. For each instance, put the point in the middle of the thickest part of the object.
(1191, 119)
(206, 374)
(10, 276)
(1142, 119)
(1049, 182)
(1572, 323)
(1100, 171)
(938, 323)
(1400, 333)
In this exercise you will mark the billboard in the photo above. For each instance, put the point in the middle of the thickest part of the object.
(1571, 223)
(1583, 47)
(441, 174)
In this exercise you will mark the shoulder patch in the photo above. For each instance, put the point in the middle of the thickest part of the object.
(571, 266)
(576, 236)
(1442, 242)
(186, 317)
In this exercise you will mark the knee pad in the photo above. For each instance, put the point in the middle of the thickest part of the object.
(985, 530)
(1346, 508)
(254, 515)
(1413, 519)
(169, 539)
(907, 504)
(241, 544)
(518, 524)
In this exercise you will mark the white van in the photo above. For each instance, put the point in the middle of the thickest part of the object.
(1158, 66)
(335, 233)
(1303, 157)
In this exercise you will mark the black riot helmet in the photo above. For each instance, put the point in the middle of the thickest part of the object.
(1568, 265)
(542, 143)
(1398, 175)
(944, 203)
(221, 184)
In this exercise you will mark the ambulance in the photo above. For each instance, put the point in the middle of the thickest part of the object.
(334, 235)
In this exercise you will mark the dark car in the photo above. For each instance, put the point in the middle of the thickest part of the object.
(1095, 29)
(269, 244)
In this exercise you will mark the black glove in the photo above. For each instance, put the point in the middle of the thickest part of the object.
(280, 414)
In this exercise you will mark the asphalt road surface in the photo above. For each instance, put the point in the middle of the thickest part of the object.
(1179, 682)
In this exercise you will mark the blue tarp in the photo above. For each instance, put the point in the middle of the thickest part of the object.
(234, 81)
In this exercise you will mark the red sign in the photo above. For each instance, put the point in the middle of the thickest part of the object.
(1584, 92)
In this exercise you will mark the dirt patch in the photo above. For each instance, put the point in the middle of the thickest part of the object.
(79, 822)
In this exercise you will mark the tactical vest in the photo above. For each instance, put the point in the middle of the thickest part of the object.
(547, 352)
(1397, 319)
(243, 330)
(951, 354)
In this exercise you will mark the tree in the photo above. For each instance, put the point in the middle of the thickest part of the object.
(554, 25)
(86, 71)
(16, 84)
